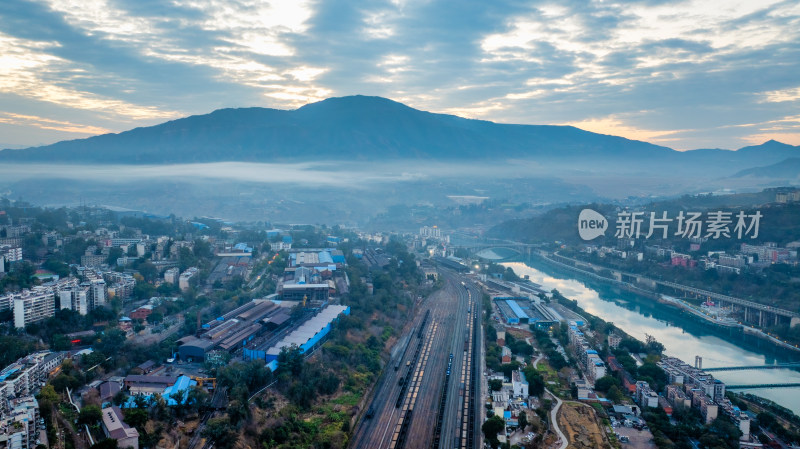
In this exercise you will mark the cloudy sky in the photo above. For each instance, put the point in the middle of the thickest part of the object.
(685, 74)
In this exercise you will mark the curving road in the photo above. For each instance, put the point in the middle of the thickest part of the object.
(554, 412)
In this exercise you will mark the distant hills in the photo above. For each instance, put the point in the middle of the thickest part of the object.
(361, 128)
(788, 169)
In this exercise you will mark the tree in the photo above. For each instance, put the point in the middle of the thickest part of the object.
(136, 417)
(495, 384)
(492, 427)
(523, 420)
(114, 254)
(90, 415)
(148, 271)
(111, 342)
(292, 359)
(604, 383)
(220, 431)
(615, 394)
(155, 317)
(49, 394)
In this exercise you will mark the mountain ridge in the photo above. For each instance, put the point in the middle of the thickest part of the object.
(362, 128)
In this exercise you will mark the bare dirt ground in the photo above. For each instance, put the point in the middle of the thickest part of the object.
(581, 426)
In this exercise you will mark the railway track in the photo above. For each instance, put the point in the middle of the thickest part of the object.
(428, 396)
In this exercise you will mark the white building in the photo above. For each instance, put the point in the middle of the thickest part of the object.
(10, 253)
(519, 384)
(430, 232)
(98, 293)
(34, 305)
(75, 298)
(172, 275)
(183, 281)
(645, 396)
(280, 246)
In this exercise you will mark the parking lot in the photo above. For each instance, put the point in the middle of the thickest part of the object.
(638, 439)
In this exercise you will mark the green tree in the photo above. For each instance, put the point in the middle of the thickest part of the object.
(604, 383)
(523, 420)
(492, 427)
(148, 271)
(136, 417)
(220, 431)
(90, 414)
(615, 394)
(114, 254)
(111, 342)
(495, 384)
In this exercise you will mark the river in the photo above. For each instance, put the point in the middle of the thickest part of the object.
(682, 336)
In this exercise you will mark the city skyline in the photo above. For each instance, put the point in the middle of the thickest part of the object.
(685, 75)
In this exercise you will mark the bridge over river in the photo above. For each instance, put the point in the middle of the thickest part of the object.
(753, 367)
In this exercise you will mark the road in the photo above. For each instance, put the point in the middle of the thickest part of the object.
(413, 424)
(554, 412)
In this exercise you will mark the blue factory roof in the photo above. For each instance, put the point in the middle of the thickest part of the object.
(184, 383)
(516, 308)
(325, 257)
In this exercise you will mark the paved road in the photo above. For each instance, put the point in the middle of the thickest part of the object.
(554, 412)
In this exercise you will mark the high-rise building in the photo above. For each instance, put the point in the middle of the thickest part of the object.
(75, 298)
(34, 305)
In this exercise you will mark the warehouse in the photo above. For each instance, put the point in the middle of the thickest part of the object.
(512, 311)
(305, 337)
(234, 329)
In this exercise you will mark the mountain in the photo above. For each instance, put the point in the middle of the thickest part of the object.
(786, 169)
(770, 151)
(361, 128)
(347, 128)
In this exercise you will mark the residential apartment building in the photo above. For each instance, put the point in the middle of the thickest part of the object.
(172, 275)
(186, 276)
(25, 377)
(19, 426)
(11, 253)
(33, 305)
(75, 297)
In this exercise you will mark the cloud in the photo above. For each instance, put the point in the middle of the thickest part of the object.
(55, 125)
(616, 126)
(648, 69)
(779, 96)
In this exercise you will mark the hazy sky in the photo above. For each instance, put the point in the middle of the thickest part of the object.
(685, 74)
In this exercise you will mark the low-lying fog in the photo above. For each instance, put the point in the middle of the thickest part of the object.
(346, 191)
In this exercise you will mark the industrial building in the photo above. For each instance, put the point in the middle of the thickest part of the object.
(522, 310)
(234, 329)
(305, 337)
(320, 259)
(513, 309)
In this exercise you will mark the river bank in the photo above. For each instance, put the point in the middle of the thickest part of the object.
(683, 335)
(676, 303)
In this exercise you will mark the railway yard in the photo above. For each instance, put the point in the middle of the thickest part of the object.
(429, 395)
